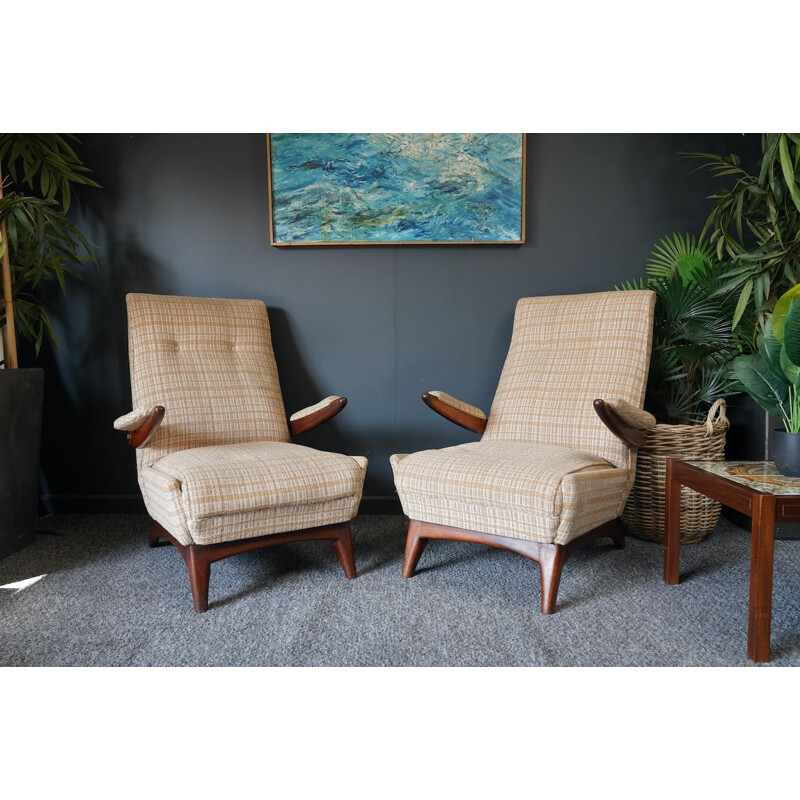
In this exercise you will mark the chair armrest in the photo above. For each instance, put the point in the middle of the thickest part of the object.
(308, 418)
(624, 420)
(463, 414)
(140, 425)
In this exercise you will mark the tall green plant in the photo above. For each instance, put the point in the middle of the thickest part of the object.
(40, 173)
(693, 343)
(772, 375)
(755, 222)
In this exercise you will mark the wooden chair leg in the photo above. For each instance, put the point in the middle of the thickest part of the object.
(617, 536)
(415, 544)
(551, 562)
(344, 550)
(199, 572)
(154, 537)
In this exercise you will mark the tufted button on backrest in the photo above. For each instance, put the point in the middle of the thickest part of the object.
(210, 363)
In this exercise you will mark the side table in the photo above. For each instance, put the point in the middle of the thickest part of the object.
(754, 488)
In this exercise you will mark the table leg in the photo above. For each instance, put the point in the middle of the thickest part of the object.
(672, 525)
(762, 546)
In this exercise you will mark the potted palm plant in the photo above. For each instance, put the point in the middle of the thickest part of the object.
(690, 376)
(38, 245)
(772, 378)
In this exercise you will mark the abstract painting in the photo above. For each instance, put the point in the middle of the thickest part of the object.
(396, 188)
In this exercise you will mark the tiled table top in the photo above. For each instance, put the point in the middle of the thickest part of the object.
(759, 475)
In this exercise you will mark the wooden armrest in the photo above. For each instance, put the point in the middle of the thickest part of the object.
(142, 434)
(301, 424)
(462, 418)
(635, 437)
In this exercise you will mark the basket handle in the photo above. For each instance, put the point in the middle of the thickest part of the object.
(716, 416)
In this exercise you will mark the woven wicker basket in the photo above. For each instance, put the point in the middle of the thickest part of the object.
(644, 512)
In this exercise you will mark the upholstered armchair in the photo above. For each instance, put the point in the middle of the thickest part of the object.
(556, 461)
(218, 472)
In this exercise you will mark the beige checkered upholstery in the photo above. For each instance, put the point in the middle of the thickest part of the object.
(220, 466)
(516, 489)
(546, 469)
(633, 416)
(210, 363)
(459, 405)
(565, 352)
(193, 492)
(132, 420)
(309, 410)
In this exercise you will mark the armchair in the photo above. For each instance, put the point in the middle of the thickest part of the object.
(556, 461)
(216, 467)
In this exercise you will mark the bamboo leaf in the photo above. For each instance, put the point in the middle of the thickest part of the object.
(771, 142)
(43, 245)
(788, 171)
(744, 298)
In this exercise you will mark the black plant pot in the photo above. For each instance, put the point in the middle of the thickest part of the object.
(21, 396)
(785, 451)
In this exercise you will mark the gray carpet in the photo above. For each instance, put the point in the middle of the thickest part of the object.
(108, 600)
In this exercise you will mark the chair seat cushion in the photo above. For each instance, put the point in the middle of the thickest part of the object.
(203, 483)
(527, 491)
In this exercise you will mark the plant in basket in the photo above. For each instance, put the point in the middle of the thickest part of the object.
(693, 341)
(691, 374)
(772, 378)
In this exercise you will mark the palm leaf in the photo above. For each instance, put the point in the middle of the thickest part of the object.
(681, 254)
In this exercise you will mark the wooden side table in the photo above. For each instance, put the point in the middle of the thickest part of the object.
(754, 488)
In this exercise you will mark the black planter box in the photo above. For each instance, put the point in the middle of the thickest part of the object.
(21, 394)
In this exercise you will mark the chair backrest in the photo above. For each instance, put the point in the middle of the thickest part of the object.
(565, 352)
(210, 363)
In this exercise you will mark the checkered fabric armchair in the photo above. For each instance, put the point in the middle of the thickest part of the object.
(557, 458)
(220, 475)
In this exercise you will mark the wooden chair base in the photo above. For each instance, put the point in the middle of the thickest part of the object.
(200, 557)
(551, 557)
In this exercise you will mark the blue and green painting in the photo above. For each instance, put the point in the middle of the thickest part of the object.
(333, 188)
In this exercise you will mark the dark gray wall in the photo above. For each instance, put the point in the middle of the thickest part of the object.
(188, 214)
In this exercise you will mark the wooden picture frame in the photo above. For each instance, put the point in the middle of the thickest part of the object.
(308, 205)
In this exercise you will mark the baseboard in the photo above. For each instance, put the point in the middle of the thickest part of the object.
(133, 504)
(377, 504)
(91, 504)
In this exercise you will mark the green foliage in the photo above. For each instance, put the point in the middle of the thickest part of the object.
(43, 245)
(693, 341)
(681, 254)
(772, 376)
(755, 222)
